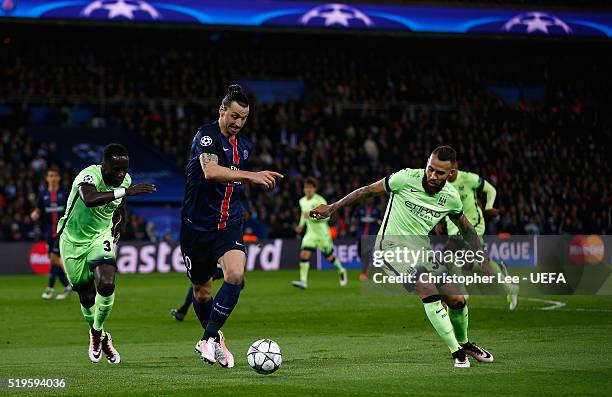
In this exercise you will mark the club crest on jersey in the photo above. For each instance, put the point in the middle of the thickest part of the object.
(245, 154)
(442, 200)
(206, 141)
(88, 179)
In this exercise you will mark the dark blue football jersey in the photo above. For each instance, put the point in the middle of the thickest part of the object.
(52, 206)
(369, 218)
(210, 205)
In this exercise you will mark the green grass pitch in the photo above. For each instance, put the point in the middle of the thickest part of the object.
(336, 342)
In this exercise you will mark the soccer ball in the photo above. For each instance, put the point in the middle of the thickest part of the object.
(264, 356)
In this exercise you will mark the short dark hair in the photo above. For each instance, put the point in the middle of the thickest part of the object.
(311, 181)
(53, 168)
(445, 153)
(235, 94)
(114, 149)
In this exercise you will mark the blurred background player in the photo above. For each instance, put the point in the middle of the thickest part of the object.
(211, 219)
(419, 200)
(317, 235)
(88, 232)
(369, 217)
(469, 185)
(50, 208)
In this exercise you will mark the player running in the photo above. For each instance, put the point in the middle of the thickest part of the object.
(211, 219)
(50, 208)
(88, 233)
(419, 199)
(369, 223)
(317, 235)
(469, 185)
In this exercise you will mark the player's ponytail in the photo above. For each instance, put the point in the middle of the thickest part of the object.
(235, 94)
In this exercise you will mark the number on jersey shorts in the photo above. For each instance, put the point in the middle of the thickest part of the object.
(201, 250)
(312, 241)
(187, 261)
(80, 260)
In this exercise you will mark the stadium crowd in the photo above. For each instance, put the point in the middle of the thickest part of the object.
(366, 111)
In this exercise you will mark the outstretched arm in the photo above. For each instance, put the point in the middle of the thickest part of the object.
(218, 173)
(356, 196)
(93, 198)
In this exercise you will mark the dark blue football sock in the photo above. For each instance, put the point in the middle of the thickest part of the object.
(62, 276)
(202, 310)
(223, 304)
(53, 273)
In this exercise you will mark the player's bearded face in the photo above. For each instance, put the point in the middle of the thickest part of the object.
(436, 174)
(233, 118)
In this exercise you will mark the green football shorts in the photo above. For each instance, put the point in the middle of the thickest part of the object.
(80, 259)
(313, 241)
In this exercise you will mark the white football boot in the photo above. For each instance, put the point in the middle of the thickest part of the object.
(299, 284)
(461, 359)
(224, 357)
(95, 347)
(112, 355)
(343, 278)
(48, 293)
(206, 348)
(478, 352)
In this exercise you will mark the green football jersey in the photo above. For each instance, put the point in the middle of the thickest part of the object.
(412, 211)
(315, 226)
(80, 224)
(468, 184)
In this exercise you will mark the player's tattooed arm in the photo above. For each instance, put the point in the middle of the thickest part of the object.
(215, 172)
(208, 160)
(356, 196)
(93, 198)
(468, 232)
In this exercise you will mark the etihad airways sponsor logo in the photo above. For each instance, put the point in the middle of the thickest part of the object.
(421, 211)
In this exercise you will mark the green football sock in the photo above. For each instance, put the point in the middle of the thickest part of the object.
(304, 265)
(338, 265)
(104, 305)
(88, 314)
(459, 318)
(437, 315)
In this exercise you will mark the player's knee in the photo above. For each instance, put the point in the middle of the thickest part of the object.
(87, 301)
(106, 287)
(305, 255)
(55, 259)
(456, 302)
(202, 293)
(87, 297)
(234, 277)
(425, 289)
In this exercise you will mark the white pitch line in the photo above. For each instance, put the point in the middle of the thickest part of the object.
(553, 305)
